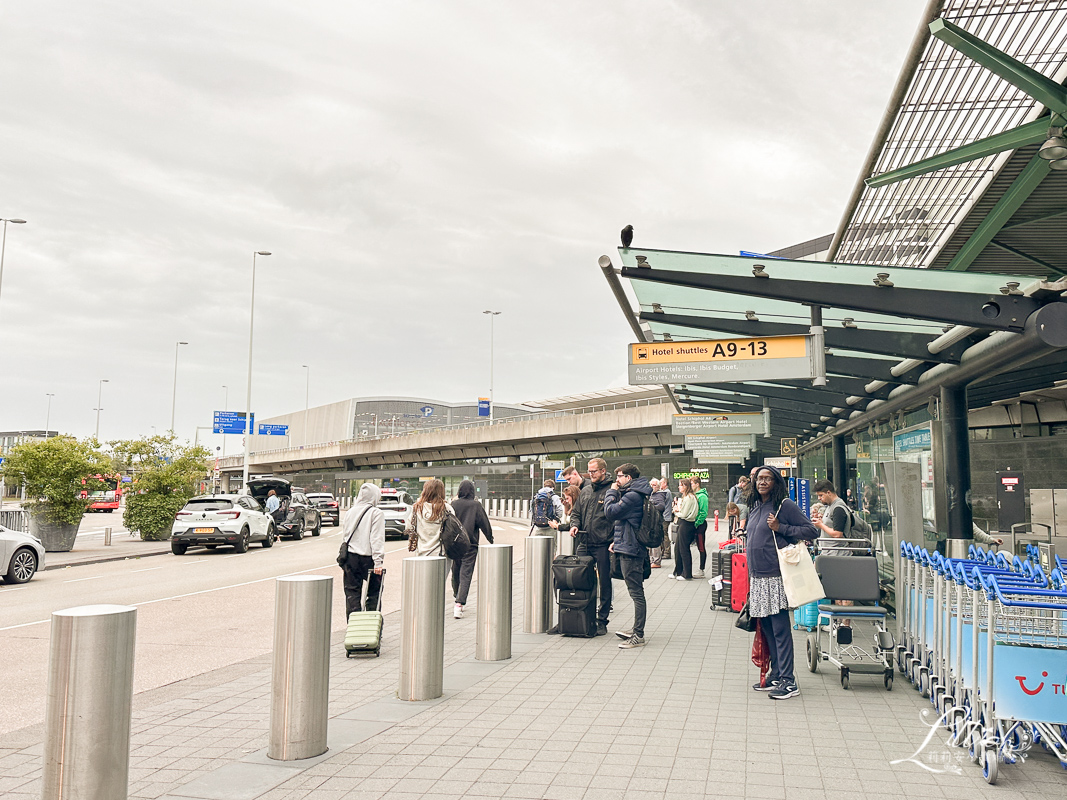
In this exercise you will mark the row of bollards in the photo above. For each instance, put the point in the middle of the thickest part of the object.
(91, 657)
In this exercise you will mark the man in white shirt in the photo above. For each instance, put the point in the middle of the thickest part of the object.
(364, 531)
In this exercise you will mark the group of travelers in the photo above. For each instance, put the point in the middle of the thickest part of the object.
(603, 511)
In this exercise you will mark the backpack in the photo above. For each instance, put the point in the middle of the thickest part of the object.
(543, 510)
(859, 526)
(454, 539)
(650, 531)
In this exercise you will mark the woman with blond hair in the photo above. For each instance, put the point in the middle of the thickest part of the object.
(426, 518)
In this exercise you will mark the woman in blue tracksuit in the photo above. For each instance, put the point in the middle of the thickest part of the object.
(774, 521)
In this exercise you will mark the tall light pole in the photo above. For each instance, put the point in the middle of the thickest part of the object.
(48, 413)
(491, 314)
(225, 407)
(99, 404)
(248, 396)
(3, 245)
(174, 394)
(307, 394)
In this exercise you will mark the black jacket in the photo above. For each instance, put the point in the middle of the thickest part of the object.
(471, 514)
(588, 514)
(763, 543)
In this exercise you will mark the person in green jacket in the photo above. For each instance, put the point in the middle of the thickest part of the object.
(701, 522)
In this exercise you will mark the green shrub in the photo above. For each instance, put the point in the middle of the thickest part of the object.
(151, 514)
(55, 472)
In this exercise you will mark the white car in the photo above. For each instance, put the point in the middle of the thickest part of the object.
(396, 506)
(21, 555)
(221, 519)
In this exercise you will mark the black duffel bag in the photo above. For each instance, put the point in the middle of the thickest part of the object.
(574, 572)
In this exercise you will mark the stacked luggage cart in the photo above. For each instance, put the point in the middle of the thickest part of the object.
(985, 638)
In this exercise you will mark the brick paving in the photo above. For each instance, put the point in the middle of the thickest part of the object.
(564, 719)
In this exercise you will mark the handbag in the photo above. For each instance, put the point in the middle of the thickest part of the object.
(342, 554)
(413, 534)
(802, 584)
(745, 621)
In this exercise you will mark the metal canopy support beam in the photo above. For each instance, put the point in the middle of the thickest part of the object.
(1039, 218)
(839, 466)
(1028, 257)
(1031, 133)
(1022, 77)
(956, 452)
(838, 384)
(797, 400)
(1010, 202)
(860, 340)
(996, 312)
(871, 369)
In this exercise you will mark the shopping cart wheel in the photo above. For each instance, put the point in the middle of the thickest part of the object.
(813, 653)
(923, 684)
(844, 677)
(990, 765)
(887, 679)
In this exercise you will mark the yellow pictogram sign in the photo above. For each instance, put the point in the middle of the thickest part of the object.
(789, 447)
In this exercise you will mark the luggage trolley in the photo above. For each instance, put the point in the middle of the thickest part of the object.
(1026, 650)
(852, 577)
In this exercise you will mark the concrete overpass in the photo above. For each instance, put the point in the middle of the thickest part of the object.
(628, 426)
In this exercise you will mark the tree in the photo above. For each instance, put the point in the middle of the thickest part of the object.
(56, 471)
(165, 475)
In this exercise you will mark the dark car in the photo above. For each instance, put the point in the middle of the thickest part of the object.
(329, 508)
(296, 515)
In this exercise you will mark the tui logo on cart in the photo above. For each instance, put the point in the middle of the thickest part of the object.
(1030, 683)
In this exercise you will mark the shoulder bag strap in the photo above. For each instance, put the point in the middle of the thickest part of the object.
(348, 539)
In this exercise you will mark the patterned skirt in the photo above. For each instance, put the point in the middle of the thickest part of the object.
(766, 596)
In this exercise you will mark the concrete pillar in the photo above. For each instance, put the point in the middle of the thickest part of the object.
(839, 465)
(956, 449)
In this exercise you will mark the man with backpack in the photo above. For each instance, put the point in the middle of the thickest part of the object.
(661, 499)
(627, 505)
(545, 509)
(837, 521)
(588, 519)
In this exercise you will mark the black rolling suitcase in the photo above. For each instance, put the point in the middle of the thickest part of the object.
(577, 612)
(720, 574)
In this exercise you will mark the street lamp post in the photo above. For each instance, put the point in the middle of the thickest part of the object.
(248, 396)
(307, 394)
(174, 394)
(99, 404)
(225, 407)
(491, 314)
(48, 413)
(3, 245)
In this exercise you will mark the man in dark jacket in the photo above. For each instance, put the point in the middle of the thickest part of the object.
(661, 499)
(624, 505)
(597, 534)
(472, 517)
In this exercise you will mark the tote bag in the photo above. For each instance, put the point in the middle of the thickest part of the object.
(802, 584)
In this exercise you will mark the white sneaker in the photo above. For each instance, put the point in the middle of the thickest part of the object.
(457, 612)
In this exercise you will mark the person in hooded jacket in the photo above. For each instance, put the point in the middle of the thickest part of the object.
(472, 517)
(597, 534)
(553, 507)
(624, 505)
(774, 521)
(364, 530)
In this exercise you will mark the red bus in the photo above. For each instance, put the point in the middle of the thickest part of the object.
(106, 497)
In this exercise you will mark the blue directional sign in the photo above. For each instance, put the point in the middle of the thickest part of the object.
(273, 430)
(230, 422)
(426, 411)
(483, 406)
(559, 476)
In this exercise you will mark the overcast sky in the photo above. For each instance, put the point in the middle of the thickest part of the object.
(409, 165)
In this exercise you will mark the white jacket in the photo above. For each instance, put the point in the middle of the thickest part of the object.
(429, 531)
(369, 538)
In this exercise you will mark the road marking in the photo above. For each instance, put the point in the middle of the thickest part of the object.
(146, 569)
(79, 580)
(187, 563)
(12, 589)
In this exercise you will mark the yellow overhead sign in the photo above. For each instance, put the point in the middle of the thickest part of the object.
(718, 350)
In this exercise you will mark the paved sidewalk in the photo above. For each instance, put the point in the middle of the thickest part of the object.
(564, 718)
(91, 550)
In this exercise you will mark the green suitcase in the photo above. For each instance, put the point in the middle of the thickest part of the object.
(364, 634)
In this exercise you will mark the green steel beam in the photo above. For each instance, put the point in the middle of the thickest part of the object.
(1022, 77)
(1028, 180)
(1041, 218)
(1032, 133)
(1028, 257)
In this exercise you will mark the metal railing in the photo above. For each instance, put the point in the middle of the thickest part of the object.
(15, 519)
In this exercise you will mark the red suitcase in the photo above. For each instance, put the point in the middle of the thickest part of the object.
(738, 580)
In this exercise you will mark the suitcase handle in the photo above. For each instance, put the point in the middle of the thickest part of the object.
(381, 588)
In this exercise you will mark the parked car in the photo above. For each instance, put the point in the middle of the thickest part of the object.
(396, 506)
(21, 555)
(329, 508)
(296, 515)
(221, 519)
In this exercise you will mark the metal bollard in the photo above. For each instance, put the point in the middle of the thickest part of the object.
(300, 679)
(493, 637)
(525, 509)
(565, 543)
(107, 537)
(89, 701)
(537, 608)
(422, 633)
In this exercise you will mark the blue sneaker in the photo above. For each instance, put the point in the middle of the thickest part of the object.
(783, 691)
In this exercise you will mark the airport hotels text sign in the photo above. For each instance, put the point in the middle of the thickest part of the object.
(715, 360)
(693, 424)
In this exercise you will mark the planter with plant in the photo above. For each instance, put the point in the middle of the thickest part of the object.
(58, 474)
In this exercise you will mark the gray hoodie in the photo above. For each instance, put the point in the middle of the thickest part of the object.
(368, 538)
